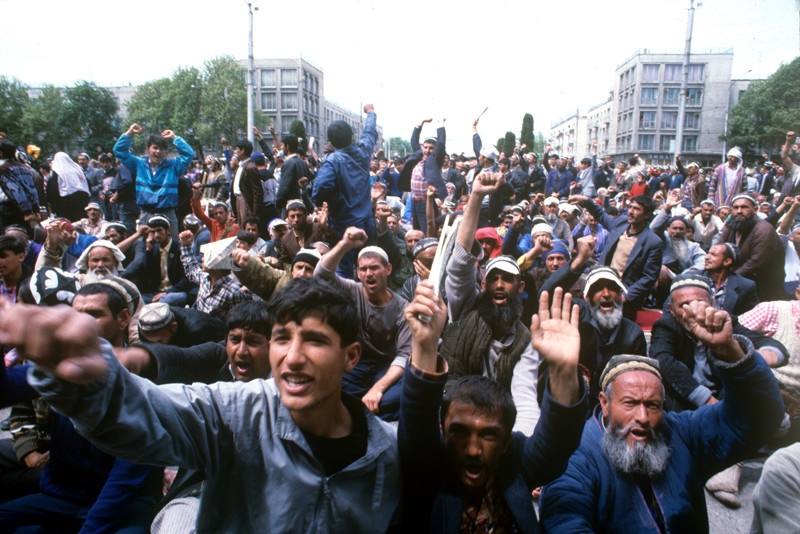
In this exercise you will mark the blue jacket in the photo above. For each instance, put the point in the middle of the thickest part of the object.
(80, 472)
(592, 496)
(429, 504)
(161, 190)
(343, 182)
(558, 181)
(644, 262)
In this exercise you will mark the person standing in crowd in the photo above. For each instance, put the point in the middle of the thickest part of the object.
(728, 179)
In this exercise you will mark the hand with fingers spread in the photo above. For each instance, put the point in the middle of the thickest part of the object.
(714, 328)
(59, 340)
(555, 336)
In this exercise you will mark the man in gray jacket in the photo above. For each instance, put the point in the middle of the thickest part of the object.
(289, 454)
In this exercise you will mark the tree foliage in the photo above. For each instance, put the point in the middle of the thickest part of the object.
(767, 110)
(13, 101)
(400, 146)
(43, 122)
(90, 116)
(509, 143)
(500, 145)
(526, 135)
(298, 129)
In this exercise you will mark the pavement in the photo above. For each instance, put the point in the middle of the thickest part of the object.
(721, 519)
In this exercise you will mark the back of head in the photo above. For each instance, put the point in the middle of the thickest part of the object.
(249, 315)
(246, 237)
(314, 297)
(7, 149)
(290, 141)
(483, 393)
(340, 134)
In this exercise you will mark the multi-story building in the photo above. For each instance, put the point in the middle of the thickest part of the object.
(291, 89)
(641, 115)
(568, 135)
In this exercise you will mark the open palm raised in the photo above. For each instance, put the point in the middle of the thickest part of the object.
(554, 330)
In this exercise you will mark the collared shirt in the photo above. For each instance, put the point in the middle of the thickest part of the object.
(164, 257)
(214, 299)
(237, 180)
(764, 318)
(419, 186)
(492, 515)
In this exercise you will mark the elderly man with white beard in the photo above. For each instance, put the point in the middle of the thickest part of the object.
(640, 468)
(679, 253)
(604, 331)
(101, 260)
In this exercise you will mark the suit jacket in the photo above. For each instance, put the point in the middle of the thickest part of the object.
(145, 269)
(252, 191)
(432, 170)
(763, 256)
(644, 263)
(293, 169)
(740, 294)
(290, 246)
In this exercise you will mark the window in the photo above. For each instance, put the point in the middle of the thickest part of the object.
(690, 143)
(646, 142)
(649, 96)
(672, 73)
(268, 78)
(694, 97)
(286, 122)
(666, 143)
(621, 81)
(671, 96)
(692, 120)
(650, 73)
(669, 119)
(288, 100)
(289, 77)
(269, 101)
(647, 120)
(696, 73)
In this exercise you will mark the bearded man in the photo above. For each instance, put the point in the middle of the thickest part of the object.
(641, 469)
(485, 336)
(761, 252)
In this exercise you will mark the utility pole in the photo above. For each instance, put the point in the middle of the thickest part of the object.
(684, 81)
(250, 77)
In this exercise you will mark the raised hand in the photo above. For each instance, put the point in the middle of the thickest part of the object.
(713, 328)
(133, 130)
(368, 108)
(240, 257)
(425, 335)
(586, 246)
(186, 238)
(257, 132)
(577, 199)
(354, 237)
(543, 243)
(169, 135)
(59, 340)
(229, 224)
(487, 183)
(790, 136)
(555, 336)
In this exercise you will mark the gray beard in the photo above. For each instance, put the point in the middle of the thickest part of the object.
(92, 276)
(550, 217)
(647, 459)
(680, 248)
(607, 320)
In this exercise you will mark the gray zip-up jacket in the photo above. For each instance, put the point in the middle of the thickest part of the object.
(261, 473)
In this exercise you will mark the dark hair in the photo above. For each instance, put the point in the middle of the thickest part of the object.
(646, 202)
(12, 243)
(504, 161)
(249, 315)
(105, 158)
(340, 134)
(246, 146)
(612, 211)
(586, 161)
(253, 220)
(303, 297)
(157, 140)
(633, 161)
(247, 237)
(8, 149)
(44, 166)
(484, 394)
(116, 300)
(290, 142)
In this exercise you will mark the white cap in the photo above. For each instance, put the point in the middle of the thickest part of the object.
(503, 263)
(602, 273)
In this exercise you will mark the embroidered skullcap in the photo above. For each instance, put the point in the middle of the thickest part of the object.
(622, 363)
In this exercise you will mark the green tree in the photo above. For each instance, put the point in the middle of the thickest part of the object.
(42, 121)
(767, 110)
(90, 116)
(540, 143)
(501, 145)
(298, 129)
(400, 146)
(526, 135)
(13, 101)
(509, 143)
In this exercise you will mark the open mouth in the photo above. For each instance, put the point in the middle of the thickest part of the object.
(500, 297)
(473, 472)
(296, 383)
(639, 433)
(607, 305)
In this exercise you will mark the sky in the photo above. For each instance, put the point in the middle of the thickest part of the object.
(413, 59)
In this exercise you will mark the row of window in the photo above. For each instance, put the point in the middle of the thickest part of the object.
(289, 78)
(672, 72)
(670, 96)
(669, 119)
(666, 143)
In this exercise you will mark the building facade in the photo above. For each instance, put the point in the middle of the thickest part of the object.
(641, 114)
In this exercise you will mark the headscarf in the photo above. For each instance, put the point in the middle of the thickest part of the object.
(70, 175)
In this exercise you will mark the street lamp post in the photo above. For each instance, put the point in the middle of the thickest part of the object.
(684, 81)
(250, 77)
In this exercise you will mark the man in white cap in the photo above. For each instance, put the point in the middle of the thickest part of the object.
(384, 333)
(94, 223)
(728, 179)
(707, 225)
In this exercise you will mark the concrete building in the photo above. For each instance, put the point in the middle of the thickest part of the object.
(641, 115)
(568, 136)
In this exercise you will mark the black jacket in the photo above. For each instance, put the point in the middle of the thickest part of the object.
(145, 269)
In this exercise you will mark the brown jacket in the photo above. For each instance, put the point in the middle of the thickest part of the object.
(762, 258)
(290, 246)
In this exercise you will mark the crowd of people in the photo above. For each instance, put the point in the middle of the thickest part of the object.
(275, 340)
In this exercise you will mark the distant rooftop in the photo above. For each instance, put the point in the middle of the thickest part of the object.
(695, 52)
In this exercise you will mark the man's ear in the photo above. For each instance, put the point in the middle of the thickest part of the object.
(604, 402)
(388, 268)
(124, 318)
(521, 286)
(352, 353)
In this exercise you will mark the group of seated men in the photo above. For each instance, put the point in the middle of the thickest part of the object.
(247, 384)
